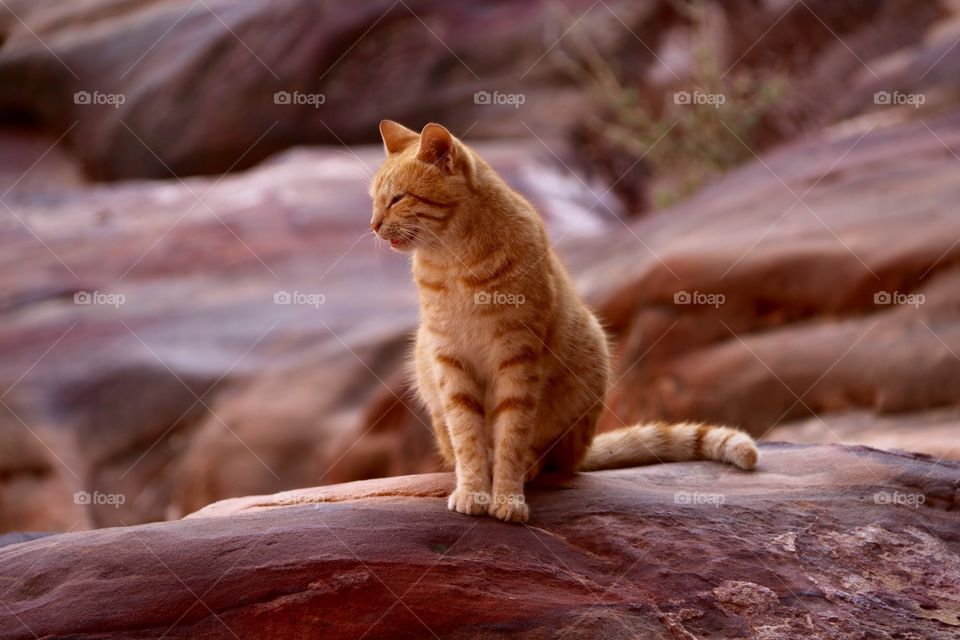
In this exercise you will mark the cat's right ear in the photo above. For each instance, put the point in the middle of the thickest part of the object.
(437, 147)
(396, 137)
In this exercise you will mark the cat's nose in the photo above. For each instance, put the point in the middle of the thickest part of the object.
(376, 224)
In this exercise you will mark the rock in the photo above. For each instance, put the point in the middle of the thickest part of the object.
(934, 432)
(121, 77)
(822, 541)
(38, 484)
(52, 165)
(747, 306)
(15, 538)
(118, 78)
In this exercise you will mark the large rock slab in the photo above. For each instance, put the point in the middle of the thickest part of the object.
(822, 541)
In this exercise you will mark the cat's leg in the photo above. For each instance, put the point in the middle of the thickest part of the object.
(572, 424)
(536, 467)
(569, 449)
(516, 394)
(565, 426)
(444, 444)
(429, 391)
(463, 413)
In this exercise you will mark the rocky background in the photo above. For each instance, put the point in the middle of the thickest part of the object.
(192, 307)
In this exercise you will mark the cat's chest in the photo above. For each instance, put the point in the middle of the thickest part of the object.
(446, 292)
(456, 302)
(461, 319)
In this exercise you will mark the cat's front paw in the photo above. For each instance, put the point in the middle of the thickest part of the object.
(509, 509)
(472, 503)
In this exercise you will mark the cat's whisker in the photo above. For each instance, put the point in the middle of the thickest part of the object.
(360, 165)
(376, 242)
(363, 173)
(440, 241)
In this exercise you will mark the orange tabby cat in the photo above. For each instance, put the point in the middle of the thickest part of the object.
(511, 365)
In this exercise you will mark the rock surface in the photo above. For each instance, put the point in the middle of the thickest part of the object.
(823, 541)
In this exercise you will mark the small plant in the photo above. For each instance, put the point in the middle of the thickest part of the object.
(708, 124)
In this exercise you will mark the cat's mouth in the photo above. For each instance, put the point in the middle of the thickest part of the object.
(401, 244)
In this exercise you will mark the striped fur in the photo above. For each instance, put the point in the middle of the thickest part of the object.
(649, 443)
(510, 363)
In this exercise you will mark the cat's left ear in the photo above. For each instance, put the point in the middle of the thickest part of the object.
(438, 147)
(396, 137)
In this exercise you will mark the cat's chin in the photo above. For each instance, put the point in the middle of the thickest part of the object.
(401, 246)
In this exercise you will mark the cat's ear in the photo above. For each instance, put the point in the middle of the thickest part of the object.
(396, 137)
(438, 147)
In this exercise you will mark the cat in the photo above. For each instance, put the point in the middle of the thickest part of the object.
(511, 365)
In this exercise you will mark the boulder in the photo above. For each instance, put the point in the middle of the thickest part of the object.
(822, 541)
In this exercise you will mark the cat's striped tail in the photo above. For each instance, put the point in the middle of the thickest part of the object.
(651, 443)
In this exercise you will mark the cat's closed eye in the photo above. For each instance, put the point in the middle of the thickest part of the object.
(397, 198)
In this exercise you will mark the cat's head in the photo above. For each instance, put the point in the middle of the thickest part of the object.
(416, 191)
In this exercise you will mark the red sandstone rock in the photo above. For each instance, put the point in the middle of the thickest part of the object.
(822, 541)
